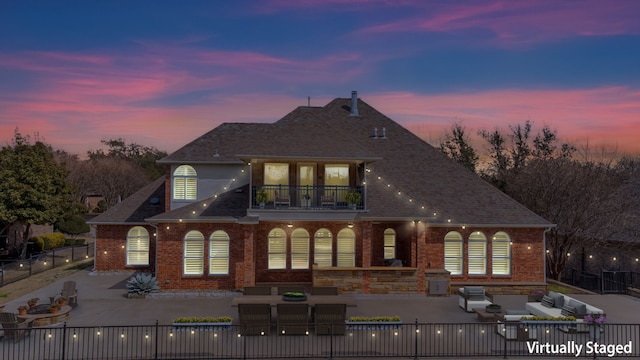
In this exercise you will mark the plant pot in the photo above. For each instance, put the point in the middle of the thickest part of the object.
(22, 312)
(294, 298)
(53, 310)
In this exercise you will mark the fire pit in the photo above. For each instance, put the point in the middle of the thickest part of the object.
(42, 316)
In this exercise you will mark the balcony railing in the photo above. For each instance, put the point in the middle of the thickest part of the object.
(307, 197)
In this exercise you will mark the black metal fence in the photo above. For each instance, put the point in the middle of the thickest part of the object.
(12, 271)
(607, 282)
(408, 340)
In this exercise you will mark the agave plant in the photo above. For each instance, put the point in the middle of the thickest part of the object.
(142, 284)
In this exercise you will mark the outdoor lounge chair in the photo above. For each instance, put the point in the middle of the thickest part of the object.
(330, 319)
(14, 328)
(292, 319)
(70, 293)
(257, 290)
(471, 297)
(254, 319)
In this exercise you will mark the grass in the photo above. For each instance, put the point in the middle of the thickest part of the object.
(4, 295)
(559, 289)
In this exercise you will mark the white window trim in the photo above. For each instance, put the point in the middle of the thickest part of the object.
(140, 240)
(219, 238)
(190, 244)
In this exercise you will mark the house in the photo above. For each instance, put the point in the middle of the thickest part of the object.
(328, 195)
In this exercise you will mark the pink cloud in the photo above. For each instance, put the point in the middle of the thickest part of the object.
(518, 22)
(602, 116)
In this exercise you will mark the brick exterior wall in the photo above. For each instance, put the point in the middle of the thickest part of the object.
(419, 246)
(111, 248)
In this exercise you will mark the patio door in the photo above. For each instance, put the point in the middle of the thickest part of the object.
(306, 183)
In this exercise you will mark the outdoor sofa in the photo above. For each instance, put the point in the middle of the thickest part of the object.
(471, 297)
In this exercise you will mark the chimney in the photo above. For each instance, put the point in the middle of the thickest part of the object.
(354, 104)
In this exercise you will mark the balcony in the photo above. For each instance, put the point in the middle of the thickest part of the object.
(307, 197)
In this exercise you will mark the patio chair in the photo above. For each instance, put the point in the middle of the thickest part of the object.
(254, 319)
(324, 290)
(257, 290)
(281, 200)
(471, 297)
(330, 319)
(70, 293)
(328, 200)
(292, 319)
(13, 327)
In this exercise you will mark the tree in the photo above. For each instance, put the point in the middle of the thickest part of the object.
(73, 225)
(456, 147)
(34, 189)
(143, 156)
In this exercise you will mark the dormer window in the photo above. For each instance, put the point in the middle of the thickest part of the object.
(185, 183)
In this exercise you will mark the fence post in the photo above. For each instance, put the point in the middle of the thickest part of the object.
(416, 332)
(64, 341)
(244, 341)
(53, 259)
(331, 341)
(504, 329)
(30, 265)
(155, 356)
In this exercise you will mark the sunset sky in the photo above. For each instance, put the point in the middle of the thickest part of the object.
(161, 73)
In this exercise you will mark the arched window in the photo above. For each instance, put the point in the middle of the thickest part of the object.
(477, 253)
(193, 253)
(277, 249)
(185, 183)
(323, 247)
(299, 249)
(453, 253)
(389, 244)
(137, 246)
(501, 253)
(346, 254)
(219, 253)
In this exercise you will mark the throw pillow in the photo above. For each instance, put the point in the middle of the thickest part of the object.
(547, 301)
(517, 312)
(558, 299)
(581, 308)
(568, 310)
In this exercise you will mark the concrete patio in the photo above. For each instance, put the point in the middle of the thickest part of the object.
(102, 302)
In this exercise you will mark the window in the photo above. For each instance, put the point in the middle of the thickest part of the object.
(194, 253)
(185, 183)
(501, 254)
(389, 244)
(477, 253)
(336, 175)
(322, 253)
(277, 249)
(299, 249)
(137, 246)
(453, 253)
(219, 253)
(346, 255)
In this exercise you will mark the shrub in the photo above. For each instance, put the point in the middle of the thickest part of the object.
(38, 244)
(53, 241)
(142, 284)
(374, 318)
(195, 319)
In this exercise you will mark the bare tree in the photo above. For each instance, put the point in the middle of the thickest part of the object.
(456, 147)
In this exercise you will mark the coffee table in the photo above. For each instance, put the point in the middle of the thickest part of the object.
(485, 316)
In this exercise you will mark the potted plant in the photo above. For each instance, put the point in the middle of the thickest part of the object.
(261, 197)
(53, 308)
(62, 301)
(373, 322)
(353, 198)
(294, 296)
(22, 309)
(536, 296)
(33, 302)
(493, 308)
(204, 323)
(596, 324)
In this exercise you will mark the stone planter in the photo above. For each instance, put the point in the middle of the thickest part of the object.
(202, 326)
(373, 325)
(294, 298)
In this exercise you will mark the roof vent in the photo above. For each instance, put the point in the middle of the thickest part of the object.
(354, 104)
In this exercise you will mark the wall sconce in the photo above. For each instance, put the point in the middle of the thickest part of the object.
(350, 225)
(290, 224)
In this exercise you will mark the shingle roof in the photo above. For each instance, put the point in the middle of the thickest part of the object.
(145, 203)
(407, 178)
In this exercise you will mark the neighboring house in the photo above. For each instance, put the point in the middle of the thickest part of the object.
(12, 237)
(201, 226)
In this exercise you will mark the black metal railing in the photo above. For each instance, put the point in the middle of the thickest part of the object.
(14, 270)
(307, 197)
(607, 282)
(407, 340)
